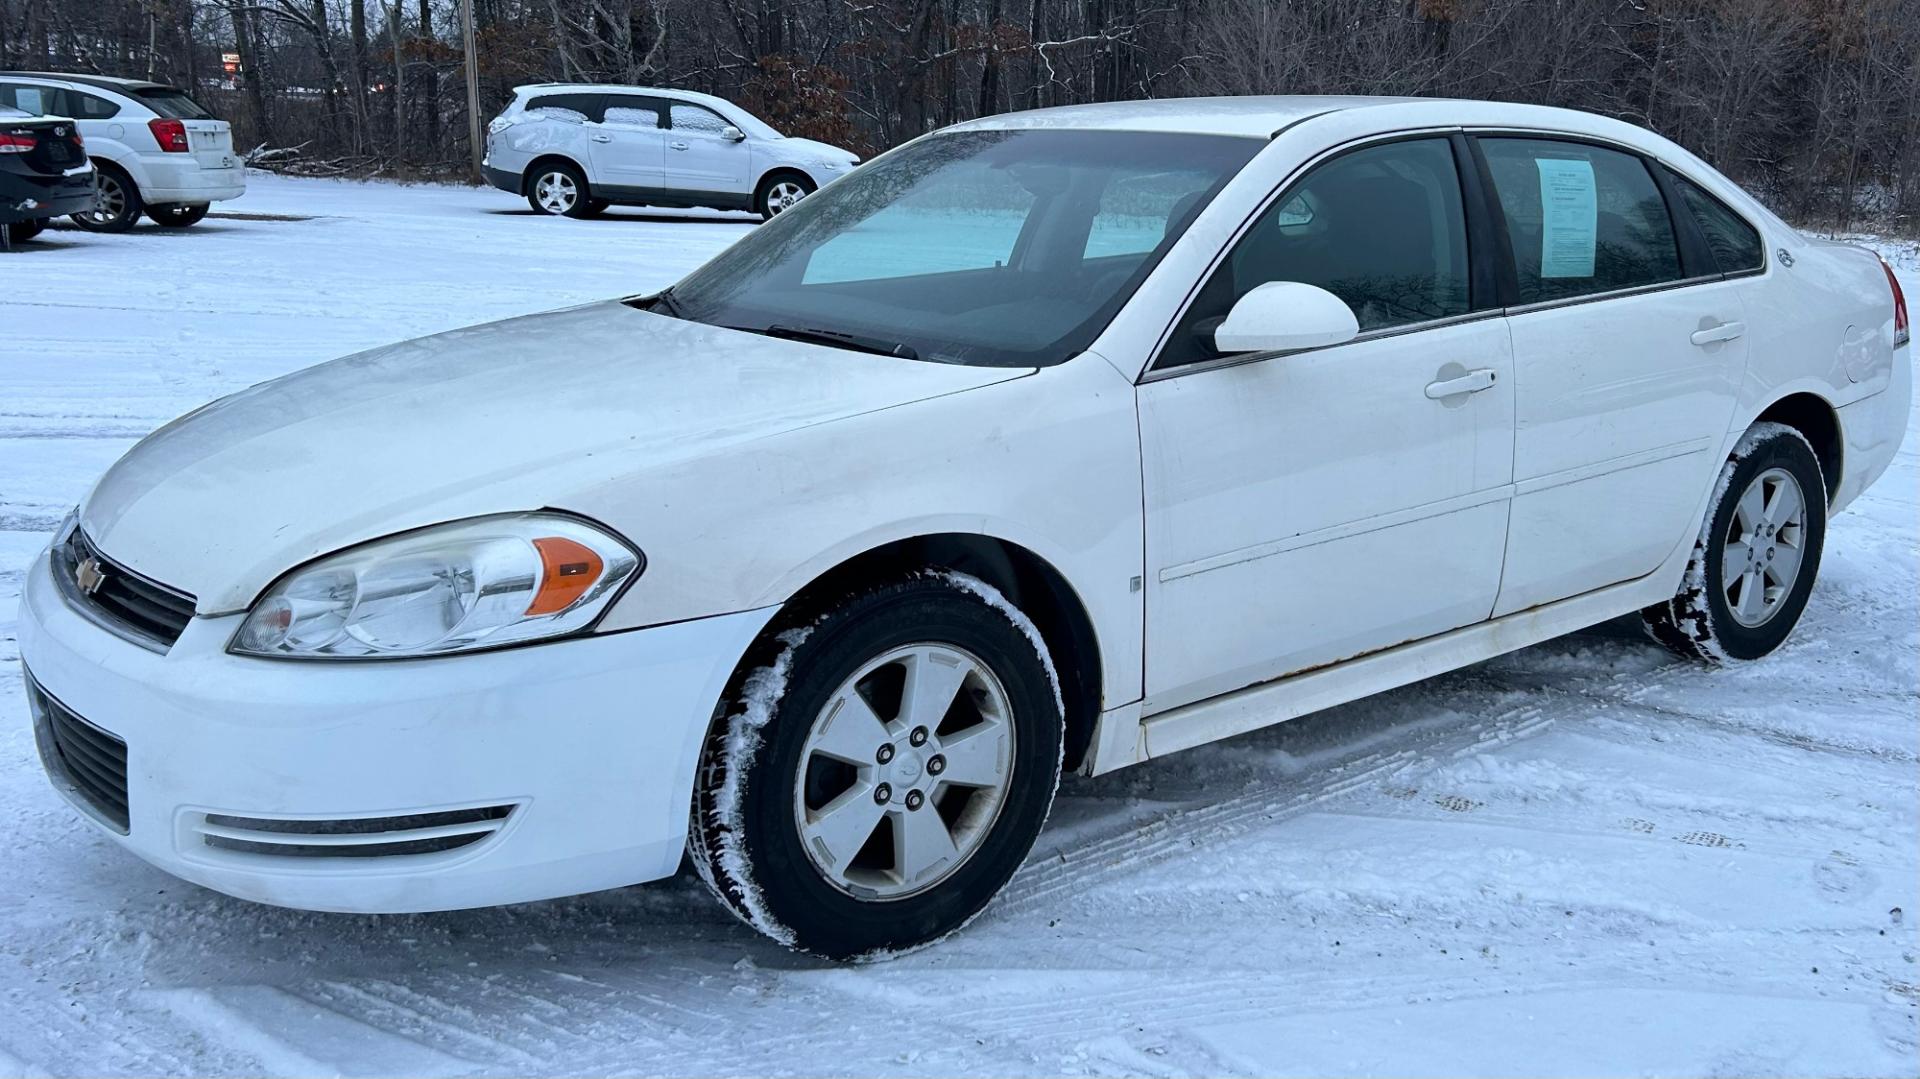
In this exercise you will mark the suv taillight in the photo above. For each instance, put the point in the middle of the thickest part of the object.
(16, 144)
(1902, 333)
(170, 134)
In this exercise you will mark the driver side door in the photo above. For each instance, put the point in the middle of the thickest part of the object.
(1308, 507)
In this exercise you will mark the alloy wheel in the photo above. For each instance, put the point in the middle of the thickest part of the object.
(109, 200)
(1764, 547)
(904, 772)
(556, 192)
(783, 195)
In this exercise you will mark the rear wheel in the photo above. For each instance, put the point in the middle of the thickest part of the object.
(22, 231)
(882, 775)
(781, 191)
(177, 215)
(1754, 564)
(559, 190)
(116, 202)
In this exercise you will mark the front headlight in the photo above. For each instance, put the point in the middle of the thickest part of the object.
(473, 584)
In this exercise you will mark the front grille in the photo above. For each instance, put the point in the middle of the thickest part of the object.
(149, 612)
(353, 837)
(89, 761)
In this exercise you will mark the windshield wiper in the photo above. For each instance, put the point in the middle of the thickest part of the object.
(854, 341)
(664, 303)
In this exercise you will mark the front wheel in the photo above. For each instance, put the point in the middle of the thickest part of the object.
(1754, 564)
(885, 770)
(177, 215)
(780, 192)
(116, 202)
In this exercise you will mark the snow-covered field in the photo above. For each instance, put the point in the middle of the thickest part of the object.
(1585, 858)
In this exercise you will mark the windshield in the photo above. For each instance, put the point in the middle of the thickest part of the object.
(990, 248)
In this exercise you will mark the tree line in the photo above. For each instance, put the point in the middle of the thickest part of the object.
(1809, 103)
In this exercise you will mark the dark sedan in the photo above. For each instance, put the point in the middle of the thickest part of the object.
(44, 173)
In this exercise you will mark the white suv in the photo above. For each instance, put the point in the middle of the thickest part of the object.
(577, 149)
(156, 151)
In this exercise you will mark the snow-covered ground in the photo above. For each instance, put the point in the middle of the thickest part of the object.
(1585, 858)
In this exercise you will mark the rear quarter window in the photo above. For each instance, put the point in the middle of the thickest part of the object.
(1736, 245)
(582, 107)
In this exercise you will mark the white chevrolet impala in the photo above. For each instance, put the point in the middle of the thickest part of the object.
(1060, 440)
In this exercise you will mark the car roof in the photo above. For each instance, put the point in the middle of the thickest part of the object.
(98, 82)
(612, 88)
(1257, 117)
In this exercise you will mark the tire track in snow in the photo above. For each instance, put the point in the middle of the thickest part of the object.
(1182, 829)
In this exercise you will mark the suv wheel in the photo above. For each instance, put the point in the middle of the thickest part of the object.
(116, 205)
(877, 781)
(1754, 563)
(21, 231)
(177, 215)
(559, 190)
(780, 191)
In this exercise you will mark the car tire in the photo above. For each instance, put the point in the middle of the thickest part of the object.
(177, 215)
(1758, 552)
(119, 204)
(853, 851)
(559, 190)
(780, 191)
(21, 231)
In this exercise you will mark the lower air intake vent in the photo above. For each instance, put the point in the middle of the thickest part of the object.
(353, 837)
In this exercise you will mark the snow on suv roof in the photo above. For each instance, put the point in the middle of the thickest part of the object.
(1258, 117)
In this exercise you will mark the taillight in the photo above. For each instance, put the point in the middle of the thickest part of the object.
(170, 134)
(11, 143)
(1901, 332)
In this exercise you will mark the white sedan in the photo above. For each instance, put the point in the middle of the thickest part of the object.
(1065, 439)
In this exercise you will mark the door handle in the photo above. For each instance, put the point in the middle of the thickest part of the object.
(603, 138)
(1726, 331)
(678, 145)
(1472, 382)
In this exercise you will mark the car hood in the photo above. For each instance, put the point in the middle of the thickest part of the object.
(514, 415)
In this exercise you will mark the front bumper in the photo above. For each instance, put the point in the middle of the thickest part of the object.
(583, 750)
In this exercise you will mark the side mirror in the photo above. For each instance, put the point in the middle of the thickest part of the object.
(1281, 315)
(733, 134)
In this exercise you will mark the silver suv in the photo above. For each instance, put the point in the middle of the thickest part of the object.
(577, 149)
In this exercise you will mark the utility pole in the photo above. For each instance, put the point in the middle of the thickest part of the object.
(473, 90)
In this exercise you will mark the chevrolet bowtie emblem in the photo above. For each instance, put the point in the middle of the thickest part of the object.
(89, 576)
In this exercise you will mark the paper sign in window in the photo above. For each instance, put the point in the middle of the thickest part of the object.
(1568, 217)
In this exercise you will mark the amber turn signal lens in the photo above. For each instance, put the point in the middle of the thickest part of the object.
(568, 569)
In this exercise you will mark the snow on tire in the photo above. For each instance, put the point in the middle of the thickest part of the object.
(881, 770)
(1758, 552)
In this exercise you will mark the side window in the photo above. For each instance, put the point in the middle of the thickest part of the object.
(577, 107)
(90, 106)
(1582, 219)
(1736, 246)
(38, 100)
(694, 118)
(633, 111)
(1382, 228)
(1137, 212)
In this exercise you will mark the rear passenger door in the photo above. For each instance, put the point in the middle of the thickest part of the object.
(1628, 347)
(628, 141)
